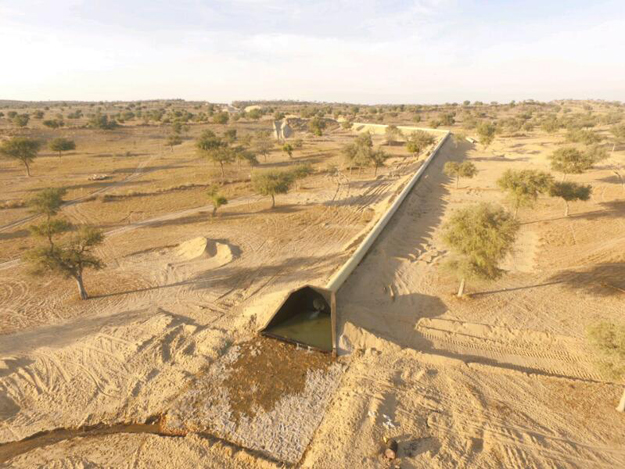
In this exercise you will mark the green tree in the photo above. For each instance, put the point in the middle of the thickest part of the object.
(480, 237)
(22, 149)
(21, 120)
(272, 183)
(215, 149)
(53, 123)
(486, 132)
(208, 140)
(358, 153)
(48, 203)
(550, 125)
(230, 136)
(262, 143)
(570, 192)
(435, 123)
(301, 171)
(241, 154)
(378, 158)
(608, 339)
(69, 259)
(221, 118)
(103, 122)
(465, 169)
(316, 126)
(393, 134)
(447, 119)
(77, 114)
(587, 137)
(570, 160)
(222, 156)
(618, 131)
(524, 186)
(347, 124)
(419, 141)
(174, 140)
(255, 114)
(288, 149)
(216, 198)
(49, 228)
(177, 127)
(596, 153)
(61, 144)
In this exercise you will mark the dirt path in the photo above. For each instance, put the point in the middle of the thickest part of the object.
(117, 357)
(139, 171)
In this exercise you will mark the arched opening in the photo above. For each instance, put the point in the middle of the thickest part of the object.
(304, 318)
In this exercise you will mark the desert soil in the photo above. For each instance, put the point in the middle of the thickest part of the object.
(502, 378)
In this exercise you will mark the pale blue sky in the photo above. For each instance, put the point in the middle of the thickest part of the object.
(367, 51)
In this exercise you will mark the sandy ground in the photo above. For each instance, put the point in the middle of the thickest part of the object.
(164, 309)
(500, 379)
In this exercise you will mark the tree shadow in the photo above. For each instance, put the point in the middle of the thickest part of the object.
(239, 277)
(391, 319)
(13, 364)
(508, 290)
(284, 208)
(133, 169)
(313, 159)
(361, 201)
(105, 183)
(205, 215)
(190, 219)
(613, 179)
(612, 209)
(501, 159)
(414, 447)
(231, 277)
(14, 235)
(225, 215)
(603, 280)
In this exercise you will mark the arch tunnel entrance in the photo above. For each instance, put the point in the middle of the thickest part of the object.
(308, 315)
(305, 318)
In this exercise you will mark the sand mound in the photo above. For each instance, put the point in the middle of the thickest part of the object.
(201, 247)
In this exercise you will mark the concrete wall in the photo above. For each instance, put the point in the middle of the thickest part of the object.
(341, 275)
(380, 129)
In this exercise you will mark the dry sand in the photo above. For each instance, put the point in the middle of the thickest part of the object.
(501, 379)
(120, 359)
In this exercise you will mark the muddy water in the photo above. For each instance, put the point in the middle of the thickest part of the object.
(40, 440)
(308, 328)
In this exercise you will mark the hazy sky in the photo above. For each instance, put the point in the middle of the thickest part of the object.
(366, 51)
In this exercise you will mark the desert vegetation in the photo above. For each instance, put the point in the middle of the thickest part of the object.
(153, 239)
(480, 236)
